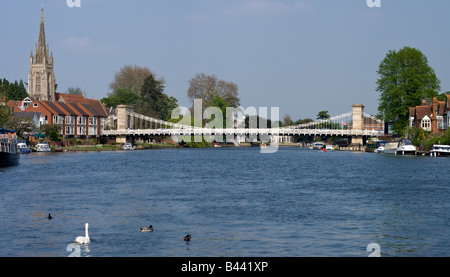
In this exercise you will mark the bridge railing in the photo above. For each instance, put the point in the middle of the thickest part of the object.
(241, 131)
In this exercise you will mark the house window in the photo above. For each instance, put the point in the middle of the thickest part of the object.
(69, 130)
(35, 105)
(57, 119)
(92, 121)
(426, 123)
(81, 120)
(70, 119)
(81, 130)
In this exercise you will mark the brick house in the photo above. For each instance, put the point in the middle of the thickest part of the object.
(433, 116)
(78, 116)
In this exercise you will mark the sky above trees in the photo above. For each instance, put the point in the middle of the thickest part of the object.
(302, 56)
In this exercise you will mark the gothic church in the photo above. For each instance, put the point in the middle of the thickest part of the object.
(41, 78)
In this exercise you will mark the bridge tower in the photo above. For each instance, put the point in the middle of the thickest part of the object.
(358, 122)
(124, 120)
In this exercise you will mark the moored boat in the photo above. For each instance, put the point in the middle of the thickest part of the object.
(379, 147)
(440, 150)
(9, 155)
(405, 147)
(127, 146)
(43, 147)
(317, 146)
(23, 148)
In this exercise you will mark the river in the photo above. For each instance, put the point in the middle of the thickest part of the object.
(235, 202)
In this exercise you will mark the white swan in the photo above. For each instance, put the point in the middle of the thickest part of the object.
(85, 239)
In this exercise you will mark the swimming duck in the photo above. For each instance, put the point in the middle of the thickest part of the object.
(187, 238)
(149, 229)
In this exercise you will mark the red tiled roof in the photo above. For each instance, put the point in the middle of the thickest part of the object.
(421, 111)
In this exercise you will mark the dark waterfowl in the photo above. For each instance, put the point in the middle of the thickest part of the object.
(149, 229)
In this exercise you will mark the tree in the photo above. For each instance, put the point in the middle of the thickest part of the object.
(405, 78)
(75, 90)
(151, 97)
(13, 91)
(131, 77)
(206, 87)
(287, 120)
(20, 124)
(139, 87)
(303, 121)
(122, 96)
(52, 131)
(169, 104)
(323, 115)
(5, 114)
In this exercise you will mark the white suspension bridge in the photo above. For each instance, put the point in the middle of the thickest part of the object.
(356, 124)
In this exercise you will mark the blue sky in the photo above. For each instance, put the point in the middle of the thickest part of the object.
(302, 56)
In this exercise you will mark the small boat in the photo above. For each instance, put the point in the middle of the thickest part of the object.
(317, 146)
(329, 147)
(127, 146)
(440, 150)
(405, 147)
(379, 147)
(217, 144)
(263, 145)
(9, 155)
(23, 148)
(43, 147)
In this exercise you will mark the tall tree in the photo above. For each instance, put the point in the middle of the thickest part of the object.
(12, 91)
(404, 79)
(151, 97)
(206, 87)
(287, 120)
(5, 114)
(131, 77)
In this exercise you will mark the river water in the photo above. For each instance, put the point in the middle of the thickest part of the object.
(235, 202)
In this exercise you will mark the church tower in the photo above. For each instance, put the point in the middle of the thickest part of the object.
(41, 78)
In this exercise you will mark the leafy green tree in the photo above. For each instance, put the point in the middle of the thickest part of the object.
(4, 115)
(404, 79)
(323, 115)
(151, 97)
(169, 104)
(52, 131)
(20, 125)
(121, 96)
(13, 91)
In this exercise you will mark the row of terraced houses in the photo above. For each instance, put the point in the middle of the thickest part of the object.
(76, 115)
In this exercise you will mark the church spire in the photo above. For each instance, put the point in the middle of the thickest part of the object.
(41, 53)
